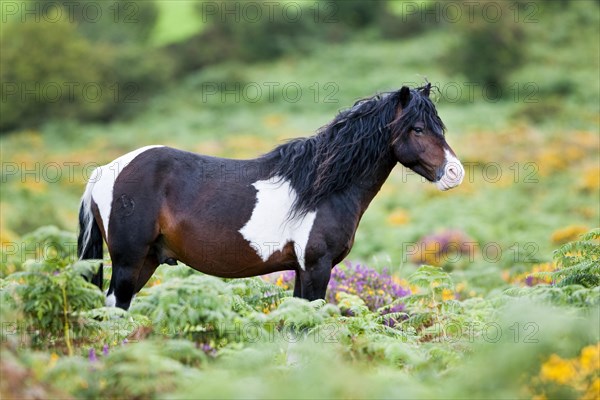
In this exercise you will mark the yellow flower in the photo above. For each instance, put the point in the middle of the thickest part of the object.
(527, 278)
(573, 153)
(568, 233)
(53, 359)
(591, 179)
(558, 370)
(447, 294)
(551, 160)
(590, 358)
(7, 237)
(398, 217)
(36, 185)
(281, 283)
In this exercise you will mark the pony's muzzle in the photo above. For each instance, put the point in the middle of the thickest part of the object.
(452, 173)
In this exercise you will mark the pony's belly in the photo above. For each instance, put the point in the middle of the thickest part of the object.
(243, 264)
(225, 255)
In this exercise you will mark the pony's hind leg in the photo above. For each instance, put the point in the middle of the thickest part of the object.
(131, 239)
(150, 264)
(128, 279)
(132, 262)
(124, 281)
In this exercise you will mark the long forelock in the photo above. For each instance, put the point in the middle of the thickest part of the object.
(419, 109)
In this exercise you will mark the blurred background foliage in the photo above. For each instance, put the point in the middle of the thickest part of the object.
(520, 94)
(134, 49)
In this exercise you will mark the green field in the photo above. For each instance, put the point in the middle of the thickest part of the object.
(497, 321)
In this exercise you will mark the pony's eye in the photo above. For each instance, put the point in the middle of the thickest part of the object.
(417, 130)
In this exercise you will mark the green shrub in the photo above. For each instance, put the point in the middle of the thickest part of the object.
(356, 14)
(412, 20)
(56, 247)
(490, 45)
(255, 294)
(576, 281)
(578, 262)
(79, 69)
(263, 34)
(51, 299)
(48, 79)
(136, 370)
(266, 30)
(198, 307)
(144, 370)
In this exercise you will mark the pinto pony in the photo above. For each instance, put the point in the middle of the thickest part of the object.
(295, 208)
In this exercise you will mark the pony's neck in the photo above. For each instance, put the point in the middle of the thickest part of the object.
(362, 192)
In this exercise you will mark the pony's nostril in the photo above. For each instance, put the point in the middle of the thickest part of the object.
(452, 172)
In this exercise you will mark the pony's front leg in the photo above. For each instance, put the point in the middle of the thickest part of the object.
(314, 279)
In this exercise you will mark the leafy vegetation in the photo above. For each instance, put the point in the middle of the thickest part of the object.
(187, 327)
(503, 268)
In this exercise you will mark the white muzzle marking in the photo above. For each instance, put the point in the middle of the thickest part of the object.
(453, 173)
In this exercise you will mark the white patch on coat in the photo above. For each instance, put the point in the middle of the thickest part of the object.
(103, 180)
(453, 173)
(269, 228)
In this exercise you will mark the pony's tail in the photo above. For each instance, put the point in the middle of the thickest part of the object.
(89, 241)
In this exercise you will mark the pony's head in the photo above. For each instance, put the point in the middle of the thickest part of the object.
(418, 139)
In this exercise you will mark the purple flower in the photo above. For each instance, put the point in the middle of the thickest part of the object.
(105, 350)
(92, 355)
(529, 280)
(208, 349)
(374, 288)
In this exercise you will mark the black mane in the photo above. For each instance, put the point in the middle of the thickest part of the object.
(349, 148)
(422, 109)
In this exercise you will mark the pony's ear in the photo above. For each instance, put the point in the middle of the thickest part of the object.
(404, 96)
(426, 89)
